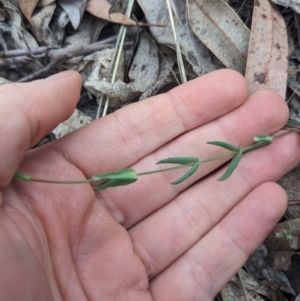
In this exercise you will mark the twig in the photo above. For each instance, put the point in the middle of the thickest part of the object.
(56, 56)
(178, 50)
(241, 6)
(128, 176)
(293, 202)
(14, 62)
(24, 52)
(116, 58)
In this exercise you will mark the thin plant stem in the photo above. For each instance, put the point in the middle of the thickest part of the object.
(61, 182)
(258, 144)
(283, 134)
(249, 148)
(254, 146)
(218, 157)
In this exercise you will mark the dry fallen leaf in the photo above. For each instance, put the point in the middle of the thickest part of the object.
(193, 50)
(218, 27)
(27, 7)
(40, 25)
(145, 64)
(75, 10)
(233, 290)
(267, 54)
(101, 9)
(42, 3)
(293, 4)
(281, 260)
(76, 121)
(260, 266)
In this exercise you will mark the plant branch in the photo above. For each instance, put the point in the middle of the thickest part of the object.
(128, 176)
(58, 55)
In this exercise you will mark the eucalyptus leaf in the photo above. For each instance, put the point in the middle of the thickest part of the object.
(267, 65)
(192, 48)
(225, 145)
(117, 178)
(218, 27)
(232, 166)
(40, 25)
(104, 10)
(27, 7)
(74, 9)
(145, 65)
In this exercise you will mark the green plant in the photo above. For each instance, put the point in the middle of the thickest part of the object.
(128, 176)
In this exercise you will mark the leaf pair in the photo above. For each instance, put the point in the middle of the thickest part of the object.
(237, 155)
(237, 152)
(188, 161)
(289, 230)
(292, 124)
(117, 178)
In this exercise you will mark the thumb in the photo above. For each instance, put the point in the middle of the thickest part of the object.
(29, 111)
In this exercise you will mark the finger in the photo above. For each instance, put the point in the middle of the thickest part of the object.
(192, 214)
(20, 268)
(122, 138)
(203, 270)
(263, 112)
(85, 241)
(29, 112)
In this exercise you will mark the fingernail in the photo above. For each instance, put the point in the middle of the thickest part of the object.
(60, 74)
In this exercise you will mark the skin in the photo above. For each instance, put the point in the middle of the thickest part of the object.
(149, 240)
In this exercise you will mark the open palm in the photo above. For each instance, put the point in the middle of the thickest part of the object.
(149, 240)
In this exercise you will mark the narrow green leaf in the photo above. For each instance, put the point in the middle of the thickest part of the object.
(179, 160)
(190, 172)
(128, 174)
(265, 138)
(22, 176)
(232, 166)
(114, 183)
(193, 161)
(225, 145)
(116, 178)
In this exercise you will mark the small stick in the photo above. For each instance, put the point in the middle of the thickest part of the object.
(58, 55)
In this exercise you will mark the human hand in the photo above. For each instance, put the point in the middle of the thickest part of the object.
(149, 240)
